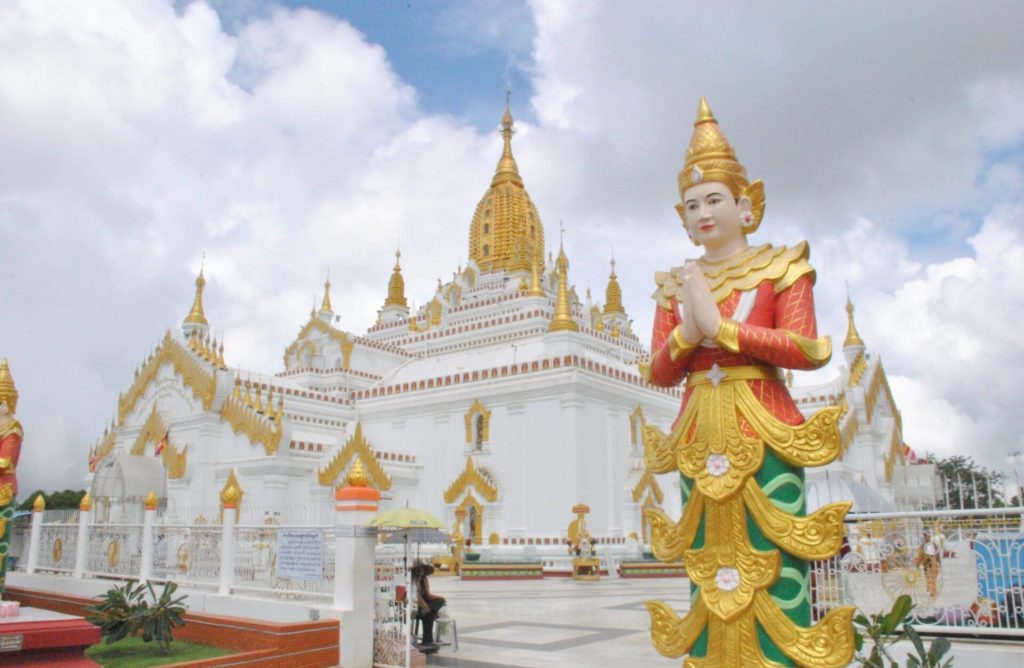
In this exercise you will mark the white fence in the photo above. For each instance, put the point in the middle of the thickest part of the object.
(964, 569)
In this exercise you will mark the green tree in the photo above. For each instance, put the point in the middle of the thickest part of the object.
(69, 499)
(967, 484)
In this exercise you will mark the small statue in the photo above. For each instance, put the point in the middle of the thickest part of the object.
(725, 325)
(11, 436)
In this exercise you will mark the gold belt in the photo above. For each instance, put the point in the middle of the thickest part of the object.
(716, 374)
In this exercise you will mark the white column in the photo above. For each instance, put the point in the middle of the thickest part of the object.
(148, 520)
(354, 541)
(34, 537)
(82, 545)
(227, 550)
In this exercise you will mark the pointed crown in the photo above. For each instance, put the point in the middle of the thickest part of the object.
(8, 392)
(710, 157)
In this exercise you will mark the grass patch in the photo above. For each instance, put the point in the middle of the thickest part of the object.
(133, 653)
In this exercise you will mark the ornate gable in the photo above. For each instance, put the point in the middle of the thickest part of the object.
(647, 481)
(485, 429)
(478, 478)
(356, 448)
(153, 431)
(303, 343)
(196, 374)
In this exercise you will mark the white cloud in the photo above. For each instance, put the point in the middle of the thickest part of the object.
(136, 136)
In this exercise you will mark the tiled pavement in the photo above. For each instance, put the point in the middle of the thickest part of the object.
(555, 622)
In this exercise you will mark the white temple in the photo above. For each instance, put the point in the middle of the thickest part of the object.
(505, 395)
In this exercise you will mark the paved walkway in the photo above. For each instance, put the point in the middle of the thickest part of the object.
(555, 622)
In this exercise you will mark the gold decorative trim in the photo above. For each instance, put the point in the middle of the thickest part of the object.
(647, 481)
(197, 375)
(674, 636)
(153, 429)
(265, 429)
(857, 368)
(343, 339)
(728, 335)
(357, 446)
(659, 452)
(827, 644)
(472, 476)
(636, 420)
(782, 265)
(678, 347)
(817, 536)
(670, 540)
(477, 408)
(231, 494)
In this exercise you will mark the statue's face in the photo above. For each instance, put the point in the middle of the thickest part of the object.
(712, 215)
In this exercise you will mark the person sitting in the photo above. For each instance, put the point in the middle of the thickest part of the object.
(428, 604)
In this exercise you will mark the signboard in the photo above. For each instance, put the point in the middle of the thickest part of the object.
(300, 554)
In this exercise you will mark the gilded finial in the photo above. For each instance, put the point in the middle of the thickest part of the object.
(562, 319)
(396, 286)
(259, 398)
(85, 505)
(237, 393)
(195, 315)
(326, 306)
(704, 114)
(8, 391)
(535, 289)
(852, 335)
(507, 169)
(231, 494)
(151, 501)
(613, 295)
(357, 475)
(39, 505)
(220, 356)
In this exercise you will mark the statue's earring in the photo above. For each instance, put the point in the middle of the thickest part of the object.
(747, 222)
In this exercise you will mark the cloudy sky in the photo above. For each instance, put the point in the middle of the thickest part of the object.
(288, 139)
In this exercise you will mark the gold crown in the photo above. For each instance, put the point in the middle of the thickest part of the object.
(8, 392)
(710, 157)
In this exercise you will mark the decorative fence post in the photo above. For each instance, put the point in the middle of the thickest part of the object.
(82, 544)
(35, 533)
(354, 540)
(230, 499)
(148, 519)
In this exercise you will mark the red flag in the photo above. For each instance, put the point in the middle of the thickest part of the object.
(162, 444)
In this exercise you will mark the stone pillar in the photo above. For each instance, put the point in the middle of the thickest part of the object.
(82, 544)
(35, 534)
(148, 520)
(230, 499)
(355, 506)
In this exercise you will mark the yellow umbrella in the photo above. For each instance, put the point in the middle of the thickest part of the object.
(406, 518)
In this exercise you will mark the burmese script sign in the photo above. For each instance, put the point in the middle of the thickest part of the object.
(300, 554)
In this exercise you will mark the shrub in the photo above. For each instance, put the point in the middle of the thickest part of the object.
(124, 611)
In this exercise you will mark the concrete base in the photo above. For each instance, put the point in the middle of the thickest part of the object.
(44, 638)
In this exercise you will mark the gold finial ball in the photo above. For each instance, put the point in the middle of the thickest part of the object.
(151, 500)
(357, 475)
(85, 505)
(39, 505)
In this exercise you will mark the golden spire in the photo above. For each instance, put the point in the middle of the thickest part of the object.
(562, 320)
(710, 157)
(357, 475)
(196, 315)
(396, 286)
(151, 501)
(8, 392)
(506, 230)
(852, 336)
(613, 294)
(39, 505)
(326, 306)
